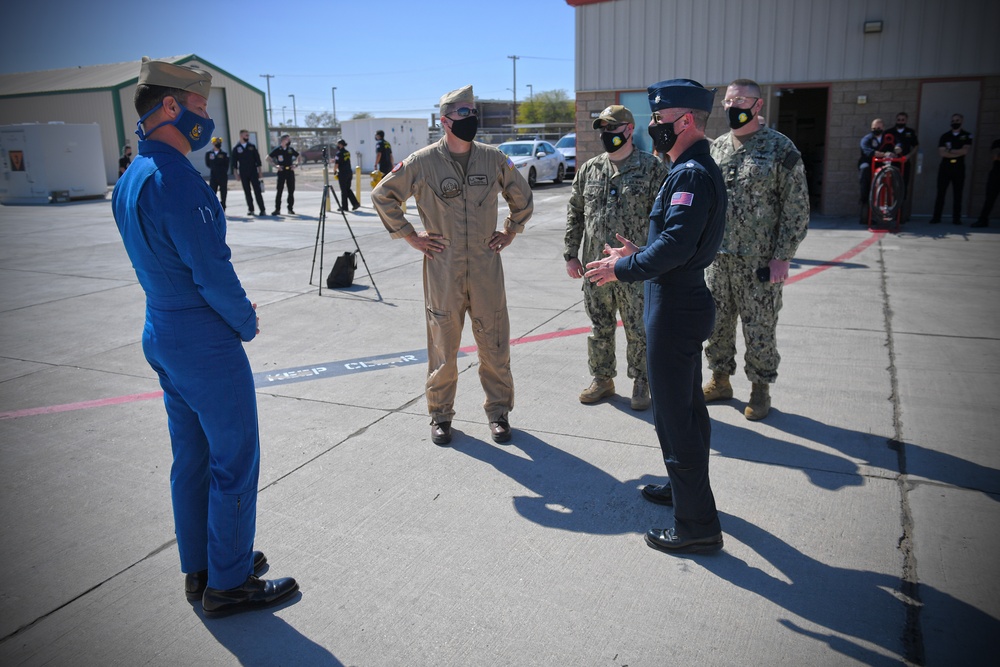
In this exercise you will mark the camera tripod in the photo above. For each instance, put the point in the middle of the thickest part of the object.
(328, 191)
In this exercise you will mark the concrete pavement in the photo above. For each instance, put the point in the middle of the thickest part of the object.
(860, 517)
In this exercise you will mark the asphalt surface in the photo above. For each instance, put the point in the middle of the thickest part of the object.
(860, 517)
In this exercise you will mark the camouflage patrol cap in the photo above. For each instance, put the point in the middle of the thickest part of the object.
(461, 95)
(183, 77)
(615, 114)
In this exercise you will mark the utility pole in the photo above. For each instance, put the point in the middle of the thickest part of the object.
(333, 93)
(531, 91)
(295, 115)
(514, 119)
(270, 114)
(283, 118)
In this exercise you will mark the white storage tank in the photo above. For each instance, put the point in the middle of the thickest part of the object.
(45, 162)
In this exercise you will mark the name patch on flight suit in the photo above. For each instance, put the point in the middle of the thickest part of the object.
(450, 188)
(478, 179)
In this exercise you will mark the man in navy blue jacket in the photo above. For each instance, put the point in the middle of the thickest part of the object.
(685, 231)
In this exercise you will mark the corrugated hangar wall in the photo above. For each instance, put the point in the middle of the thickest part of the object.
(793, 47)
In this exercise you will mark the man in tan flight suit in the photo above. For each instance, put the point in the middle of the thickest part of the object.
(455, 183)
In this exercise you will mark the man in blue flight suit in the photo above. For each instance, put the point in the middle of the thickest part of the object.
(196, 315)
(217, 162)
(686, 227)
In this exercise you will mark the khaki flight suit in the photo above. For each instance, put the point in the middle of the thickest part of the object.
(467, 276)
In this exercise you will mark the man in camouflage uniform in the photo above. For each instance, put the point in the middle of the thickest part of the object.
(613, 193)
(767, 219)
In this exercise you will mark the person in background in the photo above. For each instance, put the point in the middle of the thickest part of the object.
(247, 162)
(125, 160)
(217, 161)
(953, 146)
(344, 174)
(283, 158)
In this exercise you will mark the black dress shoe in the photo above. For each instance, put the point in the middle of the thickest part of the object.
(661, 494)
(196, 582)
(500, 430)
(666, 540)
(980, 223)
(253, 594)
(935, 221)
(441, 433)
(290, 211)
(357, 207)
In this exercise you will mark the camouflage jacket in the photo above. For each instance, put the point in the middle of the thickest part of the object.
(605, 201)
(768, 213)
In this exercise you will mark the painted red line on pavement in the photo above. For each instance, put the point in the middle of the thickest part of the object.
(836, 260)
(83, 405)
(86, 405)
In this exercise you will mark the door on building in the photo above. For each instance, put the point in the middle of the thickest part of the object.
(802, 117)
(938, 101)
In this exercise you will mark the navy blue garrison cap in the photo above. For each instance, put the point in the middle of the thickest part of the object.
(680, 94)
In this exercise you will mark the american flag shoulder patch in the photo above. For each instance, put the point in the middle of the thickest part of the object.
(510, 163)
(681, 198)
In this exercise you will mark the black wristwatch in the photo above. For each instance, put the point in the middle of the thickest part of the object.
(568, 257)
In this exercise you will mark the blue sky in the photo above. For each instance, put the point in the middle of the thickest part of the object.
(386, 57)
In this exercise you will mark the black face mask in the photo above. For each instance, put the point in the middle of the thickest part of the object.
(664, 136)
(613, 141)
(466, 128)
(900, 126)
(739, 117)
(955, 126)
(877, 133)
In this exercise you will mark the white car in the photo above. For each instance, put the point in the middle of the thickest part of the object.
(537, 160)
(567, 144)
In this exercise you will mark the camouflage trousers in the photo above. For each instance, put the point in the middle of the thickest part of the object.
(738, 293)
(601, 304)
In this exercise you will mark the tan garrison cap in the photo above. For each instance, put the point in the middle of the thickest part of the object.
(455, 97)
(169, 75)
(615, 114)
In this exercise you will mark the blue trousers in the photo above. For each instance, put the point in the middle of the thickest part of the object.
(211, 405)
(679, 318)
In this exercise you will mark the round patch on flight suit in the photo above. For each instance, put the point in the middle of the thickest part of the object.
(450, 188)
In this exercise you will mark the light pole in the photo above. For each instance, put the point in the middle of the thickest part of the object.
(295, 115)
(514, 59)
(333, 93)
(283, 119)
(270, 115)
(531, 91)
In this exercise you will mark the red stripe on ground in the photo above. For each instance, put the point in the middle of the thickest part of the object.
(83, 405)
(99, 403)
(836, 260)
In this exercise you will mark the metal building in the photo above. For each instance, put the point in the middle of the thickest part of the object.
(827, 68)
(102, 94)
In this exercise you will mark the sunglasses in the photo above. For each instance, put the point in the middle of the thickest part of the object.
(613, 128)
(464, 112)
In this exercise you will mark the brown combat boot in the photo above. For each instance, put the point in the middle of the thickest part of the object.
(760, 402)
(640, 395)
(718, 388)
(598, 389)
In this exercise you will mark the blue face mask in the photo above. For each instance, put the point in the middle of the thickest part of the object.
(197, 130)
